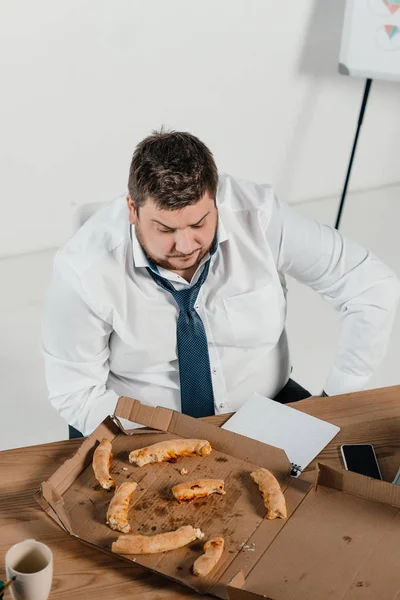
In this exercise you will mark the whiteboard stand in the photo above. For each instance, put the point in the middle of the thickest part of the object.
(367, 88)
(370, 48)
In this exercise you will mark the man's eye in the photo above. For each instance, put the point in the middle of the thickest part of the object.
(165, 230)
(197, 226)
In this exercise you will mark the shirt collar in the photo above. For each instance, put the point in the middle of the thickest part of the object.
(222, 232)
(139, 257)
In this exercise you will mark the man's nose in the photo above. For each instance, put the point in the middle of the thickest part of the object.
(184, 243)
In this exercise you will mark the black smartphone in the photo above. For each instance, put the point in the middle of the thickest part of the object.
(361, 458)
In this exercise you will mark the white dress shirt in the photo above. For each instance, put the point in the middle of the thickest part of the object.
(109, 330)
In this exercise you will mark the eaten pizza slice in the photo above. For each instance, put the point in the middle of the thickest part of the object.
(199, 488)
(117, 513)
(101, 463)
(274, 499)
(153, 544)
(169, 450)
(213, 550)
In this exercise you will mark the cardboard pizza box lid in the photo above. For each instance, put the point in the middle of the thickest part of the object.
(343, 541)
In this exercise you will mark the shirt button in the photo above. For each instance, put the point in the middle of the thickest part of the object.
(222, 405)
(214, 370)
(197, 307)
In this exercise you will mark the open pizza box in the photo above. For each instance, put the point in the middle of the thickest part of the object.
(340, 540)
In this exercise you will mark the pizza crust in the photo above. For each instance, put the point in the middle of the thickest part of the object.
(274, 499)
(169, 450)
(101, 463)
(152, 544)
(117, 513)
(213, 550)
(199, 488)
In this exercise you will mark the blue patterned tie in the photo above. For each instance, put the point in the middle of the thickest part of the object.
(197, 398)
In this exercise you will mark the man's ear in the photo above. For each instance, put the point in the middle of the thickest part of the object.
(132, 210)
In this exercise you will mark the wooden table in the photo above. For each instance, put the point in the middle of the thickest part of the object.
(82, 573)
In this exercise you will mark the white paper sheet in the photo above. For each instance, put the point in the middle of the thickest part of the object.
(301, 436)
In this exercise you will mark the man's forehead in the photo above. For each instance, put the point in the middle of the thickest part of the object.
(190, 213)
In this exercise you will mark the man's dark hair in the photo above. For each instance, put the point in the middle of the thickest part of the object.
(174, 168)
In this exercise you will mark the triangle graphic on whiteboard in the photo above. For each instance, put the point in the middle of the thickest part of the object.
(392, 5)
(391, 30)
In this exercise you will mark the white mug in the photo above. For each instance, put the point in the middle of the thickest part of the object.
(32, 563)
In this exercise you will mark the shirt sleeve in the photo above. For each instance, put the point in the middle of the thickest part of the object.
(76, 352)
(350, 278)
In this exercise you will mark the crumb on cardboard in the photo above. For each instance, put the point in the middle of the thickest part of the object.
(183, 471)
(247, 548)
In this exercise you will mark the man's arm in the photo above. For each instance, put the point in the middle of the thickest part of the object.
(75, 347)
(363, 289)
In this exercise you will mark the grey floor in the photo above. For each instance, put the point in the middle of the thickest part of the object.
(27, 418)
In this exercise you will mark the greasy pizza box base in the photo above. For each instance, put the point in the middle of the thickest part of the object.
(75, 500)
(333, 532)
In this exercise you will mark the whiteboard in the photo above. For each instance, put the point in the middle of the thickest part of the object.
(370, 45)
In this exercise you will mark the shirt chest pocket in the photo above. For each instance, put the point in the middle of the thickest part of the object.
(258, 317)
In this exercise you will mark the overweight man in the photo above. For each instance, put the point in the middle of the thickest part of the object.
(174, 294)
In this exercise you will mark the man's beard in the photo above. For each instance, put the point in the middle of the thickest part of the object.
(165, 263)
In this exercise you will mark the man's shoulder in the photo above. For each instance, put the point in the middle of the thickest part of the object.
(100, 238)
(239, 195)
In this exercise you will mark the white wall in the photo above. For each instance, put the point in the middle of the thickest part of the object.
(83, 81)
